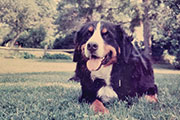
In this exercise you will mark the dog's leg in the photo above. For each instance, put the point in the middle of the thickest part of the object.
(151, 98)
(75, 78)
(98, 107)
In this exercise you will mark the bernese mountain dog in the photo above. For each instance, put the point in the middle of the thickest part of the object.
(109, 66)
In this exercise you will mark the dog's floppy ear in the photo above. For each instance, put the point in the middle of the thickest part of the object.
(77, 52)
(124, 42)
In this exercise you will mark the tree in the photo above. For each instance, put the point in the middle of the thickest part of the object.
(19, 15)
(22, 15)
(48, 14)
(73, 13)
(146, 28)
(165, 19)
(160, 20)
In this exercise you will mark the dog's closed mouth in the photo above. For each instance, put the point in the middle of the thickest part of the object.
(94, 63)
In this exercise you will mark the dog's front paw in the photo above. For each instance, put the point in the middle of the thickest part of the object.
(151, 98)
(74, 78)
(98, 107)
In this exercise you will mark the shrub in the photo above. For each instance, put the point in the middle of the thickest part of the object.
(168, 58)
(157, 50)
(176, 64)
(177, 61)
(32, 38)
(171, 59)
(64, 42)
(27, 55)
(56, 56)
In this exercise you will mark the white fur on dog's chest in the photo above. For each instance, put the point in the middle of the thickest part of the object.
(106, 93)
(103, 73)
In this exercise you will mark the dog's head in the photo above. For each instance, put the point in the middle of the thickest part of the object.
(101, 43)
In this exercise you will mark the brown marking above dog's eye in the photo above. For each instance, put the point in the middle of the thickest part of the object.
(104, 30)
(91, 28)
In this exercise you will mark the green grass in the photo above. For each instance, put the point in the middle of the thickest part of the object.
(50, 96)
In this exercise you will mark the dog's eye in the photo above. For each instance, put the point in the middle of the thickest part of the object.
(105, 33)
(104, 30)
(91, 29)
(89, 33)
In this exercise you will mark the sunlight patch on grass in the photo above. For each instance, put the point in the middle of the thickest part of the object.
(23, 66)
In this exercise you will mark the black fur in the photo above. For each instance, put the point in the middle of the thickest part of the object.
(132, 68)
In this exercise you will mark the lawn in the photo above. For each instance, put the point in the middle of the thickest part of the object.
(50, 96)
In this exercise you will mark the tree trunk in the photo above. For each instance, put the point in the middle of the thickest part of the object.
(12, 42)
(146, 30)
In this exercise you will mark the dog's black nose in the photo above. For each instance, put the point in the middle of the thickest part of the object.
(92, 46)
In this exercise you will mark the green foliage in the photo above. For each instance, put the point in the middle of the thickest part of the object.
(177, 64)
(27, 55)
(177, 61)
(48, 14)
(7, 38)
(22, 15)
(64, 43)
(56, 56)
(163, 15)
(46, 7)
(79, 12)
(19, 15)
(4, 30)
(33, 38)
(165, 28)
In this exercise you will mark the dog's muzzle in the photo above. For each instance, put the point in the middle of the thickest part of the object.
(95, 62)
(92, 47)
